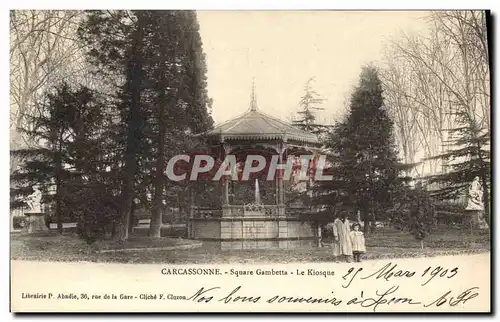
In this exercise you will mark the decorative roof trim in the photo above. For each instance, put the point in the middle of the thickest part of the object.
(267, 136)
(275, 124)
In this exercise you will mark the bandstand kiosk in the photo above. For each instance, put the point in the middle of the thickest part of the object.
(256, 224)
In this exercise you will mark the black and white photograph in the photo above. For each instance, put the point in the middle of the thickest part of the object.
(250, 161)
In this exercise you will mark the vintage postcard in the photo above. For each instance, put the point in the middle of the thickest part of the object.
(250, 161)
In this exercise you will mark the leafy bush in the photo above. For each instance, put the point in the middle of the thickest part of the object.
(96, 218)
(19, 222)
(450, 212)
(416, 214)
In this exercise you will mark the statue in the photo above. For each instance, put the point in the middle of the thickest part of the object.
(475, 204)
(34, 201)
(36, 218)
(475, 201)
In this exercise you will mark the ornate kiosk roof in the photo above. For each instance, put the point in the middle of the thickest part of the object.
(259, 126)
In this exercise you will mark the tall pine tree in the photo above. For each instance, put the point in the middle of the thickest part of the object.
(365, 165)
(160, 103)
(309, 104)
(175, 99)
(114, 41)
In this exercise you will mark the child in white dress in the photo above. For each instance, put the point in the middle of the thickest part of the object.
(358, 242)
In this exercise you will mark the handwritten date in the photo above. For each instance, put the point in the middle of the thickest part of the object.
(391, 271)
(439, 271)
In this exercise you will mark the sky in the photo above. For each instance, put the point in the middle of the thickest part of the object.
(281, 50)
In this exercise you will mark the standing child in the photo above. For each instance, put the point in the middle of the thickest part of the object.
(358, 242)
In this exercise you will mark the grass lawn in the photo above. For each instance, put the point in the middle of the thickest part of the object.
(441, 238)
(385, 243)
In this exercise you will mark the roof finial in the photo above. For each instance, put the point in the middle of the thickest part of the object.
(253, 99)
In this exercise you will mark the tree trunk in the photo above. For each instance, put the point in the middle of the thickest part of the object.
(318, 232)
(486, 201)
(421, 243)
(484, 181)
(373, 222)
(366, 219)
(134, 120)
(134, 78)
(58, 213)
(131, 221)
(157, 213)
(58, 169)
(128, 188)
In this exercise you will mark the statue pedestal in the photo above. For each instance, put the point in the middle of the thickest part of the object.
(36, 222)
(476, 218)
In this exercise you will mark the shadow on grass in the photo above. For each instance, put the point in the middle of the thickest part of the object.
(384, 244)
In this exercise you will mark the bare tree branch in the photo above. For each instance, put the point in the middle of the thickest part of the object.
(427, 77)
